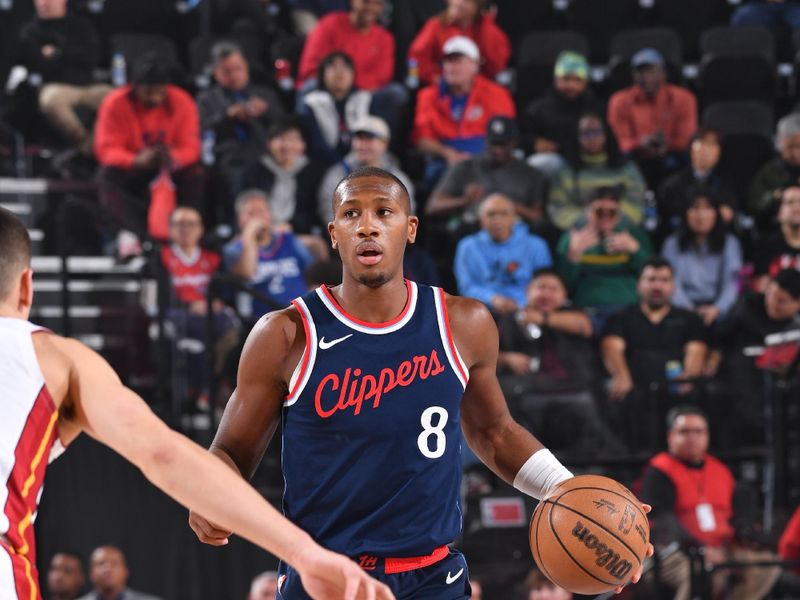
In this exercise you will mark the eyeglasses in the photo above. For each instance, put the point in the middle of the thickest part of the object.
(607, 213)
(591, 133)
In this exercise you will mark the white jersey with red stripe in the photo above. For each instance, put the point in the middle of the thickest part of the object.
(28, 435)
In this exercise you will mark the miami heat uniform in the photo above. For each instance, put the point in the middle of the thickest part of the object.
(28, 440)
(372, 444)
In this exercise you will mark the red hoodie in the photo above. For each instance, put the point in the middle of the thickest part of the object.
(125, 126)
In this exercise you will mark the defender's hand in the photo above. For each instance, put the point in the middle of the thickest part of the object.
(329, 576)
(206, 531)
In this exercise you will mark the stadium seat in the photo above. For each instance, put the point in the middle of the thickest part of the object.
(689, 18)
(519, 18)
(626, 43)
(599, 21)
(747, 129)
(133, 45)
(535, 59)
(738, 63)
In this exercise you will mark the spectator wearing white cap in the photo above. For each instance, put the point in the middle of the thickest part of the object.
(452, 115)
(369, 148)
(653, 120)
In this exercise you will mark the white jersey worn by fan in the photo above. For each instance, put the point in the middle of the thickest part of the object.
(28, 441)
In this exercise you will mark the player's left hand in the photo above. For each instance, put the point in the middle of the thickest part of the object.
(326, 575)
(650, 550)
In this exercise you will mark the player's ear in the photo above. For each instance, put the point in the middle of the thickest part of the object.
(413, 223)
(332, 234)
(26, 290)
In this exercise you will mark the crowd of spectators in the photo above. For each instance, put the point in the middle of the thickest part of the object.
(628, 270)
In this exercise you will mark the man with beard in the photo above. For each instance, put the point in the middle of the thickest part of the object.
(373, 381)
(650, 342)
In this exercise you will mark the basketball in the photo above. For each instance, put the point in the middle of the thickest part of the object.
(589, 535)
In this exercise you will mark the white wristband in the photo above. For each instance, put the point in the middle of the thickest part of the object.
(540, 474)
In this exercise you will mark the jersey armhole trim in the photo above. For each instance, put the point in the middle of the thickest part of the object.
(453, 355)
(305, 365)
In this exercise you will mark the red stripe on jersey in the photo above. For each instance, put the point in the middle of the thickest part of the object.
(25, 576)
(27, 476)
(306, 351)
(350, 317)
(450, 340)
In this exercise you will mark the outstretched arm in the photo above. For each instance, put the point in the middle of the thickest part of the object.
(114, 415)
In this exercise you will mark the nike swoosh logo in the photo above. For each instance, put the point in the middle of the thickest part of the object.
(454, 577)
(323, 345)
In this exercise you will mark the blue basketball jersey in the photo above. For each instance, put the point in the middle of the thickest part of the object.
(371, 428)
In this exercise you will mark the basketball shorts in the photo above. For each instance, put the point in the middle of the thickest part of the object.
(446, 579)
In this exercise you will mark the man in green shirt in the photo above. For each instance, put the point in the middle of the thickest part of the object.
(601, 257)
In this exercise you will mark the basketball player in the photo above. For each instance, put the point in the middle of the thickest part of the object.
(374, 380)
(53, 388)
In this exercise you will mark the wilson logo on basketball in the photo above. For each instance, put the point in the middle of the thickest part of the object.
(355, 389)
(606, 557)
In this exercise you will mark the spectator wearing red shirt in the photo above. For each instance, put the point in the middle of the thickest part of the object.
(469, 18)
(370, 47)
(653, 120)
(143, 130)
(789, 544)
(357, 34)
(692, 497)
(190, 269)
(452, 115)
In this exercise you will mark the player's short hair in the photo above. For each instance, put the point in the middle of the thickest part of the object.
(681, 411)
(363, 172)
(15, 251)
(656, 262)
(246, 195)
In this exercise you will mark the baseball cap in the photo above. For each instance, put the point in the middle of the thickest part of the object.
(571, 63)
(373, 126)
(501, 130)
(461, 44)
(647, 57)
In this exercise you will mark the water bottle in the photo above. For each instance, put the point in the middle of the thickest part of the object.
(672, 370)
(207, 148)
(412, 75)
(119, 75)
(283, 74)
(650, 211)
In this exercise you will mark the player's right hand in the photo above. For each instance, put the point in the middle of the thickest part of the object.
(329, 576)
(206, 531)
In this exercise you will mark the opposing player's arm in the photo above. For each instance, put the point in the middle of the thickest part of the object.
(500, 442)
(117, 417)
(272, 349)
